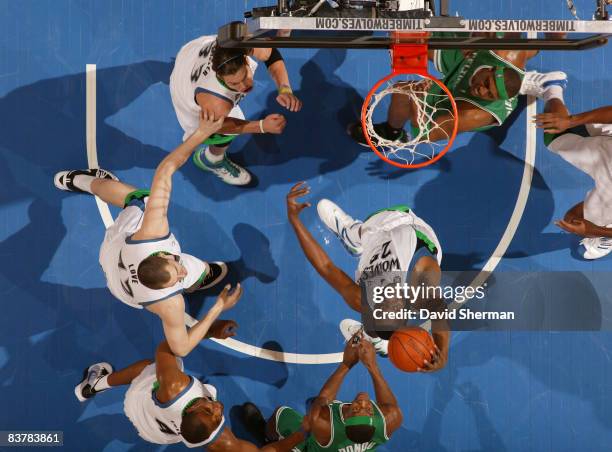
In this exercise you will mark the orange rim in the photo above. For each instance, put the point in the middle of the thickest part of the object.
(451, 139)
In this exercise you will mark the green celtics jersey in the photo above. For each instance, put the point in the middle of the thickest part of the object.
(339, 442)
(458, 70)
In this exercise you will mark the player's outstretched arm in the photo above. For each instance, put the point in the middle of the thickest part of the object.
(470, 118)
(575, 223)
(170, 377)
(350, 358)
(317, 257)
(427, 273)
(384, 396)
(278, 73)
(213, 105)
(227, 442)
(172, 314)
(558, 121)
(155, 221)
(318, 415)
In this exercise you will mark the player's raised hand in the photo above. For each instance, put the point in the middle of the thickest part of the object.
(351, 350)
(289, 101)
(294, 207)
(228, 299)
(274, 123)
(222, 329)
(555, 122)
(208, 124)
(367, 354)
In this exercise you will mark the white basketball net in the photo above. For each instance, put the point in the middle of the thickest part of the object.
(429, 107)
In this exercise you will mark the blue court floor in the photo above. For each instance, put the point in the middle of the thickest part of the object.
(499, 392)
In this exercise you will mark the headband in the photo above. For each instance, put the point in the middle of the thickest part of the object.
(500, 83)
(213, 436)
(229, 59)
(359, 420)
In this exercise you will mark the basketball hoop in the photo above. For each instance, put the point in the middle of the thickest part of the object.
(433, 111)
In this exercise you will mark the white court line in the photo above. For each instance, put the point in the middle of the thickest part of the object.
(90, 125)
(273, 355)
(326, 358)
(521, 201)
(523, 195)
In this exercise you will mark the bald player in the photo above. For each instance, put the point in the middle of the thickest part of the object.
(331, 425)
(168, 406)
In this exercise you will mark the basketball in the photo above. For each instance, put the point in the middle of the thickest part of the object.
(409, 347)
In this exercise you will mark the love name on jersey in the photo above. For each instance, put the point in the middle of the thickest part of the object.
(125, 284)
(133, 274)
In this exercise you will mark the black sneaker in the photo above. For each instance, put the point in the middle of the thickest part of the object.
(356, 132)
(86, 389)
(254, 422)
(218, 271)
(64, 179)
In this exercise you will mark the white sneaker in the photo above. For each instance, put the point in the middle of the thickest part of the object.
(217, 271)
(64, 180)
(535, 83)
(339, 223)
(86, 389)
(226, 170)
(597, 247)
(350, 327)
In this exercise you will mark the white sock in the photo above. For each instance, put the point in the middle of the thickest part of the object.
(83, 182)
(553, 92)
(102, 383)
(213, 158)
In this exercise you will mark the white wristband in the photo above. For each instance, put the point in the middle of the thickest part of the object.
(261, 126)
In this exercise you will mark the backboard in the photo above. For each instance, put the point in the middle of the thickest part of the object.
(364, 24)
(408, 29)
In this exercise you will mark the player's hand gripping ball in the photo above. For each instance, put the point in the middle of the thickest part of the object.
(412, 350)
